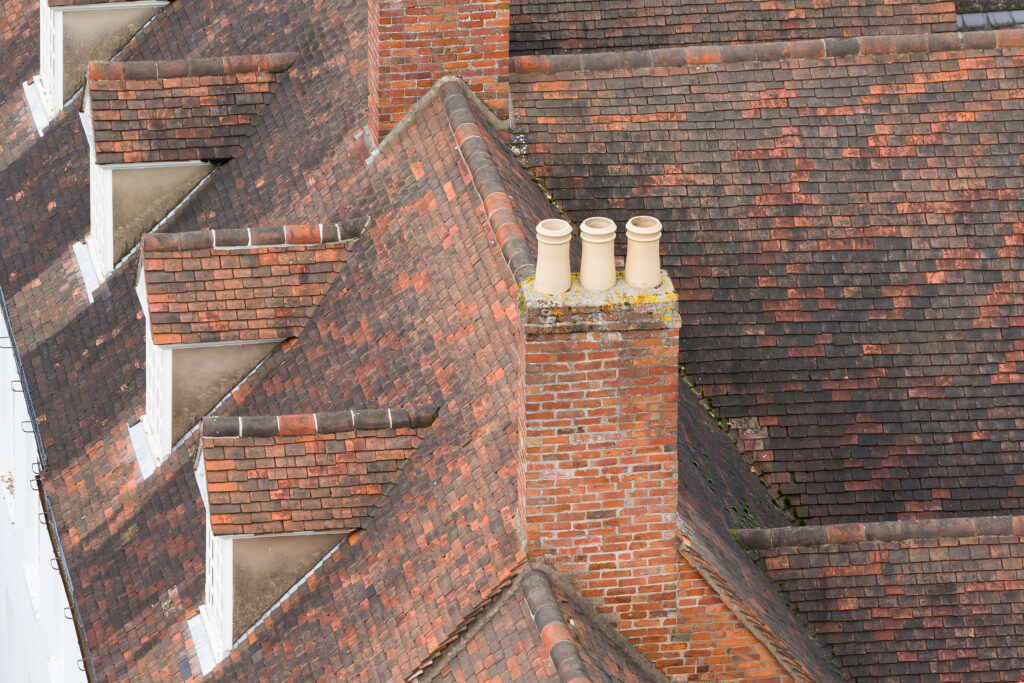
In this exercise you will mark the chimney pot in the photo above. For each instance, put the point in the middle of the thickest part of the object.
(553, 275)
(643, 258)
(597, 264)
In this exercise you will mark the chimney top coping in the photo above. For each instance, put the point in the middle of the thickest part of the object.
(621, 307)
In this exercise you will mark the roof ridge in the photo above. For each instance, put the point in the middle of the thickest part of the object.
(284, 235)
(893, 530)
(414, 417)
(819, 48)
(487, 180)
(272, 62)
(554, 632)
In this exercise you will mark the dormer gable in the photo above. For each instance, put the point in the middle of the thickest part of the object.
(283, 491)
(74, 32)
(217, 302)
(155, 131)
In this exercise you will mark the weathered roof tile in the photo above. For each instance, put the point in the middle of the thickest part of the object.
(288, 474)
(179, 110)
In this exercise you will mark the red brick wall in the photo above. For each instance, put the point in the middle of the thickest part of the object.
(712, 644)
(597, 461)
(550, 26)
(412, 44)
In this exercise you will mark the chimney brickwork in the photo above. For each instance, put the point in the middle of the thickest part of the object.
(597, 462)
(412, 44)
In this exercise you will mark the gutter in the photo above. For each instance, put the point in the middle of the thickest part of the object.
(41, 464)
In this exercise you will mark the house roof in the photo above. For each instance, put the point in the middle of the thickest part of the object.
(876, 592)
(179, 109)
(19, 38)
(305, 473)
(240, 284)
(842, 223)
(422, 310)
(554, 26)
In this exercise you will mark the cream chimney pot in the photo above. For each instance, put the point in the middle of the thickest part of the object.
(643, 257)
(553, 275)
(597, 264)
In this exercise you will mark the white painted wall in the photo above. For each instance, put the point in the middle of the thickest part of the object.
(101, 217)
(219, 606)
(159, 386)
(51, 59)
(37, 642)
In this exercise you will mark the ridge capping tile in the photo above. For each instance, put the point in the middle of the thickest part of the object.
(554, 632)
(414, 417)
(818, 48)
(488, 182)
(887, 531)
(275, 62)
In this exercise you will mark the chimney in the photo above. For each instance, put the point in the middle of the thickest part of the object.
(413, 44)
(597, 463)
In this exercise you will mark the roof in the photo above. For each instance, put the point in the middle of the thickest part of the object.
(842, 224)
(556, 26)
(241, 284)
(421, 310)
(876, 592)
(305, 473)
(180, 109)
(19, 38)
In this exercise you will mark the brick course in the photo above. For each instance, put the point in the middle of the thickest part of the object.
(551, 26)
(842, 222)
(413, 44)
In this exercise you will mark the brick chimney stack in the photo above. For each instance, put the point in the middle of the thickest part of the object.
(597, 462)
(414, 43)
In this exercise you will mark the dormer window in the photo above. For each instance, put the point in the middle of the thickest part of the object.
(71, 34)
(155, 131)
(282, 491)
(217, 302)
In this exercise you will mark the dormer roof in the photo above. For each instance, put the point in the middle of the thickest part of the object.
(179, 110)
(317, 472)
(247, 284)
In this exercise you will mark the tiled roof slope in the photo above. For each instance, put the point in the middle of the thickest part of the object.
(910, 601)
(306, 473)
(240, 284)
(424, 312)
(553, 26)
(714, 477)
(844, 229)
(716, 491)
(179, 110)
(134, 546)
(19, 49)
